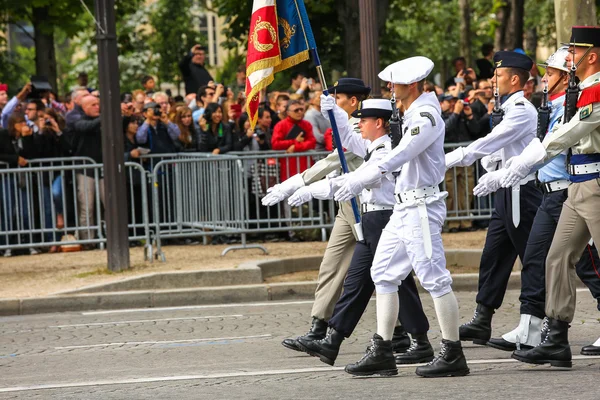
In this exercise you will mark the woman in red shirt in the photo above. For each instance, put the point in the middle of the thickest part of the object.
(294, 135)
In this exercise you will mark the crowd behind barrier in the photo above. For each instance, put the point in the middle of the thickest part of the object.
(176, 196)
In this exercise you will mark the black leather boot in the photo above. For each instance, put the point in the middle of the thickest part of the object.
(450, 362)
(420, 351)
(317, 331)
(479, 329)
(326, 349)
(379, 360)
(400, 340)
(555, 350)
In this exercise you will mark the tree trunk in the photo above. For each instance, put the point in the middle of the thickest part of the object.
(502, 17)
(531, 41)
(348, 17)
(45, 55)
(515, 39)
(369, 45)
(465, 31)
(568, 13)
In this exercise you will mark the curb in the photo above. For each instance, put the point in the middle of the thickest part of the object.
(191, 296)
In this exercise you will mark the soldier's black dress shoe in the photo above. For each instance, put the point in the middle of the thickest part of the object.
(479, 329)
(318, 330)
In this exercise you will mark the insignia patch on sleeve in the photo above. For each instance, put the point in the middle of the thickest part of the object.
(415, 131)
(585, 112)
(428, 116)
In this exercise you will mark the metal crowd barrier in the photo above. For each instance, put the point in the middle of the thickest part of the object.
(191, 195)
(34, 198)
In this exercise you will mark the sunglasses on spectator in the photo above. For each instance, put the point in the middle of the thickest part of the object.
(31, 109)
(297, 110)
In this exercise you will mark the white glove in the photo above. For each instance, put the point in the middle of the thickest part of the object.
(489, 183)
(327, 103)
(454, 157)
(300, 197)
(489, 163)
(322, 190)
(357, 181)
(282, 190)
(520, 166)
(516, 169)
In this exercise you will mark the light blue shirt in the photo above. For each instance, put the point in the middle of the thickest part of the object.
(196, 116)
(555, 169)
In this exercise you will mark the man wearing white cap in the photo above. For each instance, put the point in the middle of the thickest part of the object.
(515, 207)
(412, 239)
(373, 144)
(340, 247)
(554, 180)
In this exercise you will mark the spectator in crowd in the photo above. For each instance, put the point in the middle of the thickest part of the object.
(68, 103)
(256, 139)
(133, 151)
(294, 135)
(459, 64)
(13, 104)
(50, 143)
(3, 95)
(239, 85)
(188, 137)
(298, 84)
(148, 83)
(319, 123)
(16, 147)
(88, 133)
(205, 95)
(162, 99)
(529, 88)
(215, 136)
(485, 65)
(157, 133)
(482, 106)
(282, 104)
(193, 71)
(33, 111)
(461, 126)
(50, 100)
(138, 99)
(77, 112)
(82, 82)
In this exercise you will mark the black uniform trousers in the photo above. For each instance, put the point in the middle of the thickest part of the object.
(504, 242)
(359, 287)
(533, 275)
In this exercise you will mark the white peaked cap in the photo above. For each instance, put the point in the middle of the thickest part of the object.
(410, 70)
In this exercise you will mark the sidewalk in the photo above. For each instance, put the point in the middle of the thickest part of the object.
(192, 275)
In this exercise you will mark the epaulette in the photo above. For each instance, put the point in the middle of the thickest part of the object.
(381, 146)
(429, 117)
(519, 103)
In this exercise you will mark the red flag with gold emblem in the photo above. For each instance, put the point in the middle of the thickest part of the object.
(263, 55)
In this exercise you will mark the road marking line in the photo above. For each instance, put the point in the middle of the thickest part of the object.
(226, 375)
(202, 307)
(145, 320)
(89, 346)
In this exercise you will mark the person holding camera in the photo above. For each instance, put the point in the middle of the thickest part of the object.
(157, 132)
(16, 147)
(461, 126)
(193, 71)
(215, 136)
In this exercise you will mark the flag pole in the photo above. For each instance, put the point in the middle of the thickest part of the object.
(338, 142)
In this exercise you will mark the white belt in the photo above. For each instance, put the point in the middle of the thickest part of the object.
(415, 194)
(365, 208)
(516, 199)
(418, 196)
(583, 169)
(555, 186)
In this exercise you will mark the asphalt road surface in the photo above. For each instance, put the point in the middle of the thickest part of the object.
(234, 352)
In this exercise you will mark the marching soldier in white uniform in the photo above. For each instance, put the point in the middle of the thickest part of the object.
(342, 241)
(580, 217)
(412, 238)
(377, 205)
(515, 207)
